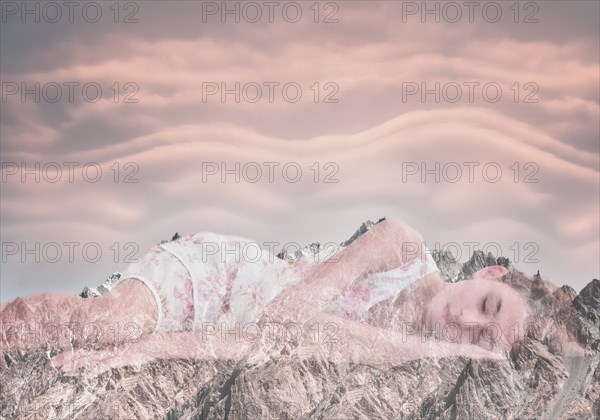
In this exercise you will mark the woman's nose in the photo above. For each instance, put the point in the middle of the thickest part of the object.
(471, 316)
(473, 322)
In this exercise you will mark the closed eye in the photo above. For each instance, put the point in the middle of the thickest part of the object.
(484, 305)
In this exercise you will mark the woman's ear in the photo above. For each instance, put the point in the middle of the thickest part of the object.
(491, 272)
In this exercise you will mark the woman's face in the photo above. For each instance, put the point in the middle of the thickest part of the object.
(479, 311)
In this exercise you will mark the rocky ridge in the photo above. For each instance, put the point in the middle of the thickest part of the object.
(540, 381)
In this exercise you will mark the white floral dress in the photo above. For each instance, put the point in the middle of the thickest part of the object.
(206, 280)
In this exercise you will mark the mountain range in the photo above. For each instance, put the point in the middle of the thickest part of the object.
(539, 381)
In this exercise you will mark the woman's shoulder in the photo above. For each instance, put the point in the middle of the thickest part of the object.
(236, 248)
(211, 236)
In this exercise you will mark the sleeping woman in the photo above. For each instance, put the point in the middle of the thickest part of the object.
(210, 296)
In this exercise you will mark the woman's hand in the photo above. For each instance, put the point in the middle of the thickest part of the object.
(385, 354)
(97, 362)
(414, 348)
(360, 343)
(470, 351)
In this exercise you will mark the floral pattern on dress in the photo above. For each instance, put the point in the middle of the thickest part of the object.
(226, 301)
(185, 295)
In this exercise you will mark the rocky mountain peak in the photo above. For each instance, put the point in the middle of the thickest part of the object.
(587, 302)
(540, 380)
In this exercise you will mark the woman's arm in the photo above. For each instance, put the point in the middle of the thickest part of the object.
(347, 341)
(386, 246)
(210, 345)
(337, 340)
